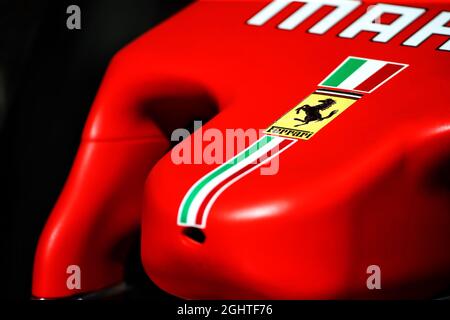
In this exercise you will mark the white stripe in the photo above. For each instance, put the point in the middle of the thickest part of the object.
(198, 200)
(338, 94)
(363, 73)
(229, 183)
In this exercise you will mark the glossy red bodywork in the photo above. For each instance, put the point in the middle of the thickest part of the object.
(368, 189)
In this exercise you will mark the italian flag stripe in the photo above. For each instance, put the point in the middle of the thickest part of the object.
(378, 77)
(343, 72)
(362, 75)
(213, 195)
(198, 201)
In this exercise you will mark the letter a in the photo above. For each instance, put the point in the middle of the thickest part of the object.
(74, 20)
(374, 280)
(74, 280)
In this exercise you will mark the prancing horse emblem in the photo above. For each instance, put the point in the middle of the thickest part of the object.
(313, 113)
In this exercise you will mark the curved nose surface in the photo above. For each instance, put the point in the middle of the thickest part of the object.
(309, 231)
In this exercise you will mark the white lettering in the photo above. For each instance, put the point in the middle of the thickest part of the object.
(435, 26)
(343, 8)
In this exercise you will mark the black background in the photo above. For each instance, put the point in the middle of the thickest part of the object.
(48, 79)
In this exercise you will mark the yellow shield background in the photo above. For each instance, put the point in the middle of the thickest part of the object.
(287, 120)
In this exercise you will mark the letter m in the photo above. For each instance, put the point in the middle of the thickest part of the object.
(342, 9)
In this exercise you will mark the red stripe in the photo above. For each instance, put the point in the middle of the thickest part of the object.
(378, 77)
(201, 210)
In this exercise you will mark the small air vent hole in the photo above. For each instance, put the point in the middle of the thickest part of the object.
(195, 234)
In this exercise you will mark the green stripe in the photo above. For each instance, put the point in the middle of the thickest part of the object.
(337, 77)
(232, 162)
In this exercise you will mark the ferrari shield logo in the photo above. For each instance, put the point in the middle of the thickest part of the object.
(311, 115)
